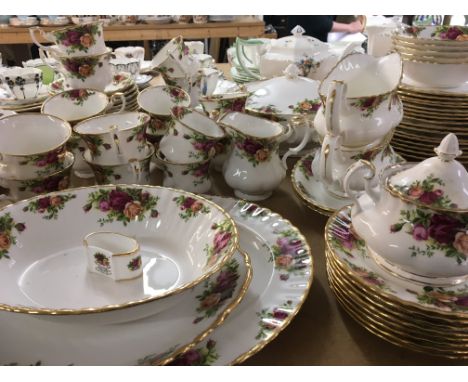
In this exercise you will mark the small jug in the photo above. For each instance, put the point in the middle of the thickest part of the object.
(113, 255)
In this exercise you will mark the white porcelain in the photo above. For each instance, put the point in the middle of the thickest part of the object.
(78, 104)
(379, 37)
(191, 137)
(193, 177)
(436, 35)
(179, 251)
(284, 99)
(23, 21)
(18, 189)
(369, 106)
(415, 222)
(32, 145)
(127, 65)
(23, 83)
(436, 75)
(204, 84)
(158, 101)
(282, 275)
(113, 255)
(92, 72)
(77, 146)
(205, 60)
(175, 60)
(195, 47)
(253, 168)
(73, 41)
(5, 113)
(218, 104)
(114, 137)
(136, 52)
(134, 171)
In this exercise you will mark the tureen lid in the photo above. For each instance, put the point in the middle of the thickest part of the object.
(290, 94)
(298, 44)
(439, 182)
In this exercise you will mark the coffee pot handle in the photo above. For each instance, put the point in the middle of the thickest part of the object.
(300, 146)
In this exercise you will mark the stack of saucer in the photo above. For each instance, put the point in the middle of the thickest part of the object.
(23, 90)
(397, 259)
(434, 88)
(423, 318)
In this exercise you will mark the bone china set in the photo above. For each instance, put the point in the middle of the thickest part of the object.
(163, 275)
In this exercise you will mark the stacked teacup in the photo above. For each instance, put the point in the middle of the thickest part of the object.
(187, 148)
(33, 156)
(81, 53)
(117, 148)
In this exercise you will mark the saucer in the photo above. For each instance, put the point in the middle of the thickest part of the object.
(282, 276)
(143, 79)
(311, 190)
(351, 253)
(6, 99)
(460, 91)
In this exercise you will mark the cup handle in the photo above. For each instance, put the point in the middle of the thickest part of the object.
(112, 101)
(368, 176)
(32, 32)
(299, 147)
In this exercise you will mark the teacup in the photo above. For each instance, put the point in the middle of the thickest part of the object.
(204, 84)
(23, 83)
(74, 41)
(158, 101)
(79, 104)
(193, 177)
(114, 255)
(93, 72)
(124, 172)
(128, 65)
(18, 189)
(136, 52)
(48, 71)
(128, 127)
(216, 105)
(191, 138)
(32, 145)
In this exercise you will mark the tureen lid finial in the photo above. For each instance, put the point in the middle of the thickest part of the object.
(291, 71)
(448, 149)
(298, 31)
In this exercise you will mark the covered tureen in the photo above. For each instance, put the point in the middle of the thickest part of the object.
(416, 224)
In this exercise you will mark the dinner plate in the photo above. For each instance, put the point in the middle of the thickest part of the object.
(282, 275)
(460, 91)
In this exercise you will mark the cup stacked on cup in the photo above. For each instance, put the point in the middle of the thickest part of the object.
(33, 155)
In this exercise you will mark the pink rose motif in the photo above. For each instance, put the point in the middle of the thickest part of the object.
(430, 197)
(284, 261)
(104, 206)
(453, 32)
(415, 191)
(41, 163)
(461, 242)
(225, 280)
(210, 301)
(73, 37)
(43, 203)
(280, 314)
(190, 358)
(462, 301)
(443, 228)
(221, 240)
(420, 232)
(188, 203)
(118, 200)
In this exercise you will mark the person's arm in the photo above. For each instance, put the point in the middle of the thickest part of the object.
(353, 27)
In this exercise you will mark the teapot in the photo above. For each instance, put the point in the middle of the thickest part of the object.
(313, 57)
(415, 222)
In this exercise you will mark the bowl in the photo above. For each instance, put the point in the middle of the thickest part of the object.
(183, 239)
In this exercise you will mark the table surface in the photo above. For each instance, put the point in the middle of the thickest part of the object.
(142, 32)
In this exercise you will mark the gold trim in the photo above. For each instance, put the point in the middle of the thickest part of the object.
(74, 121)
(260, 345)
(324, 96)
(270, 138)
(132, 252)
(433, 59)
(431, 53)
(428, 41)
(106, 308)
(224, 96)
(393, 330)
(436, 133)
(179, 120)
(407, 119)
(406, 321)
(222, 316)
(404, 86)
(150, 88)
(38, 115)
(60, 58)
(163, 160)
(74, 26)
(458, 327)
(428, 60)
(347, 210)
(102, 116)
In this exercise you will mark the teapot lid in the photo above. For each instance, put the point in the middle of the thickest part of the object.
(440, 182)
(298, 44)
(288, 95)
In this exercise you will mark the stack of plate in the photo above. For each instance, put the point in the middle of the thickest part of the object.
(429, 114)
(8, 102)
(122, 83)
(434, 88)
(423, 318)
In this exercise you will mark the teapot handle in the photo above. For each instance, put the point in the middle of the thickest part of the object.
(368, 176)
(241, 55)
(298, 148)
(32, 32)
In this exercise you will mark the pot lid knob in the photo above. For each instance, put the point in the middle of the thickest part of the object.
(298, 31)
(291, 71)
(448, 149)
